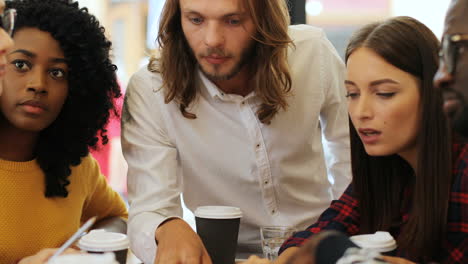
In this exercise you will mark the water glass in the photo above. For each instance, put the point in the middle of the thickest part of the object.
(272, 239)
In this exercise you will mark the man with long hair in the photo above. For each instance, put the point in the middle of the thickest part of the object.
(232, 112)
(452, 76)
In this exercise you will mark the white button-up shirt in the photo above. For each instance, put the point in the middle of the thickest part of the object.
(277, 173)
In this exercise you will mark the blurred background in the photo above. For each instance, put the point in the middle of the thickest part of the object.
(132, 27)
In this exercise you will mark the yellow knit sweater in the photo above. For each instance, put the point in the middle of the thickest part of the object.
(29, 221)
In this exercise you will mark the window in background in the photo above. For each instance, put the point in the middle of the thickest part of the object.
(154, 10)
(340, 18)
(429, 12)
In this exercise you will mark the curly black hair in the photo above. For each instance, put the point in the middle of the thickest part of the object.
(92, 86)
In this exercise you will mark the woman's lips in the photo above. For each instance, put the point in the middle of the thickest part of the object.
(34, 107)
(369, 136)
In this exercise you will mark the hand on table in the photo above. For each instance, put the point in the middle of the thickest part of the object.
(178, 243)
(42, 256)
(396, 260)
(256, 260)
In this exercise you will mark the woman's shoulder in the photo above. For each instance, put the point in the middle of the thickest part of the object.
(87, 163)
(88, 170)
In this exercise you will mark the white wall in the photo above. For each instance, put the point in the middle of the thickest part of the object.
(429, 12)
(95, 7)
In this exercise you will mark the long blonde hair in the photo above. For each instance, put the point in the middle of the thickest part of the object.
(271, 76)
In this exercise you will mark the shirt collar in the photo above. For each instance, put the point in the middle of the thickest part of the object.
(215, 92)
(212, 89)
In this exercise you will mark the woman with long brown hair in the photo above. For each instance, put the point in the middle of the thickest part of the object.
(409, 177)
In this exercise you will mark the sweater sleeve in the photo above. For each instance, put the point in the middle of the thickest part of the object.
(342, 215)
(102, 201)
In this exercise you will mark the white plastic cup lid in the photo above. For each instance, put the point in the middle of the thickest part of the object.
(380, 241)
(106, 258)
(102, 241)
(218, 212)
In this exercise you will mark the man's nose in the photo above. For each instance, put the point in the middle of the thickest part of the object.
(214, 35)
(442, 78)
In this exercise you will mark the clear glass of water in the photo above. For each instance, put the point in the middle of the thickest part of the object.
(272, 239)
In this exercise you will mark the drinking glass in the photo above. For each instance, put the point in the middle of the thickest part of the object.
(272, 239)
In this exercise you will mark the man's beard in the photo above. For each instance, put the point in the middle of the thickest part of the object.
(460, 122)
(458, 112)
(245, 57)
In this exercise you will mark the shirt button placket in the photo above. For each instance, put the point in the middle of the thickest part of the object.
(263, 169)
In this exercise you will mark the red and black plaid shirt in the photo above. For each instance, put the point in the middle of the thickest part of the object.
(342, 215)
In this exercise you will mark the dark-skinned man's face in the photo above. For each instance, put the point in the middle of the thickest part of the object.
(455, 84)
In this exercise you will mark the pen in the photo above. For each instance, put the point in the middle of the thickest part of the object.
(74, 237)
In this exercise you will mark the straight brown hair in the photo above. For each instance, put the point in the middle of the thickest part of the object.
(380, 182)
(271, 75)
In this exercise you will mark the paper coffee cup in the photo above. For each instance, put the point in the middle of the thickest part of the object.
(106, 258)
(101, 241)
(218, 228)
(380, 241)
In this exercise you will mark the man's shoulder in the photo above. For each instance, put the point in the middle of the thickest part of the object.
(145, 74)
(460, 164)
(145, 82)
(309, 41)
(300, 33)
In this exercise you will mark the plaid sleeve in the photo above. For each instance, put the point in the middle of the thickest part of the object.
(341, 216)
(457, 236)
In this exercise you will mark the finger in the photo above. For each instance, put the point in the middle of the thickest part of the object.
(156, 259)
(192, 260)
(75, 247)
(206, 259)
(256, 260)
(72, 251)
(45, 254)
(39, 257)
(396, 260)
(168, 259)
(253, 258)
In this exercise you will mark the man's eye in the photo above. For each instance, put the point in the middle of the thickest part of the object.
(233, 22)
(196, 20)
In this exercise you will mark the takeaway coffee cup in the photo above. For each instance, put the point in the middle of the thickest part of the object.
(101, 241)
(381, 242)
(106, 258)
(218, 227)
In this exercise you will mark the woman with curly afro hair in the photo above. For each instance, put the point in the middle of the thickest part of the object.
(58, 93)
